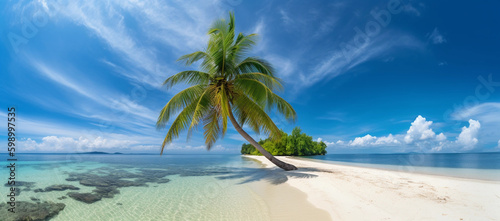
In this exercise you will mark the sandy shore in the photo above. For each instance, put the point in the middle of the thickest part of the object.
(355, 193)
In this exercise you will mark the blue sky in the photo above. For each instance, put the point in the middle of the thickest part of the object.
(364, 77)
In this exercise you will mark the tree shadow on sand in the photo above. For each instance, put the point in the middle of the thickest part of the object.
(274, 176)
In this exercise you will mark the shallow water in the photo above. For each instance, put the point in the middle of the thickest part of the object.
(151, 187)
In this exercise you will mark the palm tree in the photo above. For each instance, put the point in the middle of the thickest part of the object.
(227, 86)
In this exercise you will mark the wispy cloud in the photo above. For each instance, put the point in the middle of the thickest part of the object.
(410, 9)
(485, 112)
(344, 59)
(436, 37)
(335, 116)
(159, 20)
(284, 17)
(117, 103)
(106, 21)
(181, 25)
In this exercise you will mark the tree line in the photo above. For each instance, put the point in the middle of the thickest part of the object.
(295, 144)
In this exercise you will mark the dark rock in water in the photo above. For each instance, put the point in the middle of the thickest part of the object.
(27, 211)
(60, 187)
(34, 199)
(106, 192)
(164, 180)
(119, 204)
(22, 183)
(17, 191)
(85, 197)
(96, 195)
(72, 179)
(62, 197)
(108, 180)
(38, 190)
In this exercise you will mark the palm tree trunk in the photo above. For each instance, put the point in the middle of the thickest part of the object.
(264, 152)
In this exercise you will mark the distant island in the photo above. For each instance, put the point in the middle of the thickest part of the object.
(296, 144)
(98, 152)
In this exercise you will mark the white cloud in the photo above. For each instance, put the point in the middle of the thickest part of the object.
(486, 113)
(109, 143)
(436, 37)
(369, 140)
(468, 136)
(61, 144)
(362, 141)
(387, 140)
(259, 29)
(419, 137)
(419, 130)
(284, 17)
(441, 137)
(43, 134)
(326, 142)
(284, 67)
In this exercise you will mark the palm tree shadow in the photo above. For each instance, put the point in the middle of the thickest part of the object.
(274, 176)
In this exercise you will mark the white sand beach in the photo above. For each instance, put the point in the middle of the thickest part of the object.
(356, 193)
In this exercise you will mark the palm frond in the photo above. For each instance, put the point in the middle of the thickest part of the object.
(202, 107)
(177, 102)
(254, 89)
(241, 46)
(265, 97)
(179, 124)
(253, 64)
(212, 127)
(189, 77)
(189, 59)
(255, 115)
(269, 81)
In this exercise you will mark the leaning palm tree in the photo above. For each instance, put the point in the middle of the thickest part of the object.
(226, 86)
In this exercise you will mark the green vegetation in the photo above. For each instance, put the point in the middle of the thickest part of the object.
(228, 85)
(296, 144)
